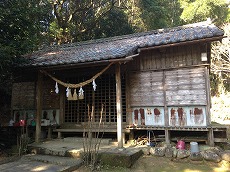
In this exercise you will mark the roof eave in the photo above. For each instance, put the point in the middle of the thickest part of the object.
(82, 64)
(211, 39)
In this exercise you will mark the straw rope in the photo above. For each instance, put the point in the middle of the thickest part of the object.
(69, 85)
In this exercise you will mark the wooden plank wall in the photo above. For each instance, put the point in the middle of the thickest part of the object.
(169, 77)
(185, 87)
(50, 98)
(23, 95)
(171, 57)
(146, 88)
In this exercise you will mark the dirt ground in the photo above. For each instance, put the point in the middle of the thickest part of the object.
(162, 164)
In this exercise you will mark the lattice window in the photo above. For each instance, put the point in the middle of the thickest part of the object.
(77, 111)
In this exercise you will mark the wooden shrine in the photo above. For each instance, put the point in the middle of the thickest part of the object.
(156, 80)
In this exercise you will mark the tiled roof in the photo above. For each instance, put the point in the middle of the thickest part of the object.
(120, 46)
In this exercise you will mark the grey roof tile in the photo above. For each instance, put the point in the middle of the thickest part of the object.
(119, 46)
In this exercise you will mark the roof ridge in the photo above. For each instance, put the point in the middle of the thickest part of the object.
(127, 36)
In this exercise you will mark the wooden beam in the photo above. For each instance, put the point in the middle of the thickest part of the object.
(119, 106)
(39, 93)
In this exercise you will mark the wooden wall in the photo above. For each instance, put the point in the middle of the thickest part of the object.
(185, 86)
(146, 88)
(23, 95)
(170, 57)
(169, 78)
(50, 98)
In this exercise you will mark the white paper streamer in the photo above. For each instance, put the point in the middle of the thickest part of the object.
(94, 85)
(81, 92)
(67, 92)
(56, 88)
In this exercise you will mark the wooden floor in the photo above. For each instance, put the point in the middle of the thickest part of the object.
(210, 134)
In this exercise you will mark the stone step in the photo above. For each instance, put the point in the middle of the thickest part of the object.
(81, 140)
(123, 157)
(69, 164)
(69, 147)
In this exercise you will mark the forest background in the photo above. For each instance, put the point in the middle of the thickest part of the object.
(29, 25)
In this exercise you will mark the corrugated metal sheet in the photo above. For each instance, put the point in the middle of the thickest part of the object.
(118, 47)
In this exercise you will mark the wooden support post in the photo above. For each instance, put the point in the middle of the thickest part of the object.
(131, 135)
(49, 132)
(59, 135)
(119, 106)
(167, 136)
(211, 137)
(39, 93)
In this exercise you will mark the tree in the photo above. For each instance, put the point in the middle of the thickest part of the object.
(23, 27)
(220, 64)
(161, 13)
(75, 20)
(115, 23)
(200, 10)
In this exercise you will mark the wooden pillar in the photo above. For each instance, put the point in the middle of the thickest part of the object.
(119, 106)
(211, 137)
(167, 136)
(49, 132)
(59, 135)
(131, 135)
(39, 93)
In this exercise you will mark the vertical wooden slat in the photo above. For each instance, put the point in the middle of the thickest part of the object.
(166, 118)
(119, 106)
(163, 58)
(208, 97)
(165, 101)
(38, 106)
(128, 108)
(153, 58)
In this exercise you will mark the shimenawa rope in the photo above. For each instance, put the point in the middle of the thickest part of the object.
(69, 85)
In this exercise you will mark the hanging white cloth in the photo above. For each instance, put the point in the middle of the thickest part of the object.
(81, 93)
(67, 92)
(94, 85)
(56, 88)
